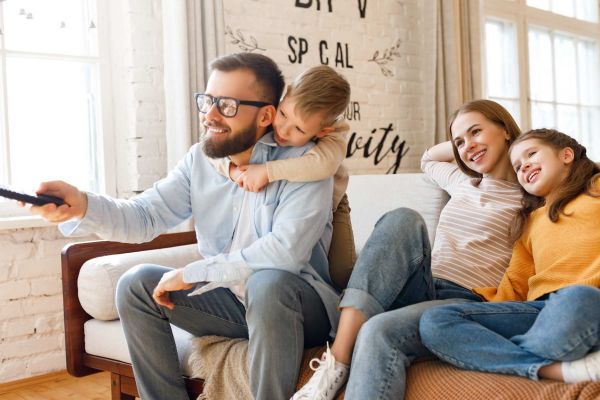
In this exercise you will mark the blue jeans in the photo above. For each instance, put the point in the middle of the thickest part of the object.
(392, 285)
(283, 315)
(516, 338)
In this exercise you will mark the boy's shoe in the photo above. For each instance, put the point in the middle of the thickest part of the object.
(584, 369)
(328, 378)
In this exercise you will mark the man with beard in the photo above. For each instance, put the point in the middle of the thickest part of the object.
(274, 242)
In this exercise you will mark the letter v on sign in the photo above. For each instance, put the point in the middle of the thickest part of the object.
(362, 7)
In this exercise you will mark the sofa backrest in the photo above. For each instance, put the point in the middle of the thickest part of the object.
(371, 196)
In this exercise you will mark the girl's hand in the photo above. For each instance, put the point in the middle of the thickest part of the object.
(254, 177)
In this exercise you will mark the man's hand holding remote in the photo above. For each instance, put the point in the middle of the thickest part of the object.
(75, 202)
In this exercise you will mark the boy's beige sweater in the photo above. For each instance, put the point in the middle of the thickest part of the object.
(320, 162)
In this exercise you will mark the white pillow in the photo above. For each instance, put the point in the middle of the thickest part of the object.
(371, 196)
(98, 277)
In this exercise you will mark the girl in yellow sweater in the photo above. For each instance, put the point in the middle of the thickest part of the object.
(543, 320)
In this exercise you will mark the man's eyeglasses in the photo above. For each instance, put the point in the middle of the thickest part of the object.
(227, 106)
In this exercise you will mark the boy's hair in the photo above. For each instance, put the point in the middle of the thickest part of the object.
(581, 178)
(320, 90)
(268, 75)
(494, 113)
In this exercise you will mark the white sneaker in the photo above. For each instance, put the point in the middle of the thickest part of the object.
(328, 378)
(585, 369)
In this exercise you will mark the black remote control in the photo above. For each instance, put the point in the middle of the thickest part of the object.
(38, 200)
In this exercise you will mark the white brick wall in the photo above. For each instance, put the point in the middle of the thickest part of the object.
(137, 59)
(31, 318)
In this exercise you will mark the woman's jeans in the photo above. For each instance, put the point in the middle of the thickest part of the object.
(393, 272)
(516, 338)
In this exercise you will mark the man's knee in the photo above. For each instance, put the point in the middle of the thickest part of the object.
(138, 281)
(269, 287)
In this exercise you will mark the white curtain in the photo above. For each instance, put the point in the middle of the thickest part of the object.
(206, 42)
(192, 36)
(458, 65)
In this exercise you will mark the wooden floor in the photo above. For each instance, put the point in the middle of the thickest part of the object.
(59, 386)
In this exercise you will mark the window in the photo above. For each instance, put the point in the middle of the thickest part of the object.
(543, 63)
(502, 65)
(50, 90)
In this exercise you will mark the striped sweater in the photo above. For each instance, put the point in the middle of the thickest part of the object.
(472, 246)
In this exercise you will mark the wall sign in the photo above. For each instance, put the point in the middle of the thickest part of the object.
(385, 49)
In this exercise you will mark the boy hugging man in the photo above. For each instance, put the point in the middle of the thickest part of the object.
(311, 109)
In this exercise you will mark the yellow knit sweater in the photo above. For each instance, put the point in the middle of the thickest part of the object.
(551, 255)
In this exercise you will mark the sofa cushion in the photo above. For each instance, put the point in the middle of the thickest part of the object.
(96, 332)
(371, 196)
(97, 281)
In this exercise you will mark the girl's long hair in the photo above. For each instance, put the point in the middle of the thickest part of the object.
(581, 178)
(494, 113)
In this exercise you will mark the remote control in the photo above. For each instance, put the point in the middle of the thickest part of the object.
(38, 200)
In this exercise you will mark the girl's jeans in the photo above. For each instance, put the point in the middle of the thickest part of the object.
(516, 338)
(392, 285)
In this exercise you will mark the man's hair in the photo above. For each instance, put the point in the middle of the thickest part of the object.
(320, 90)
(268, 75)
(582, 176)
(494, 113)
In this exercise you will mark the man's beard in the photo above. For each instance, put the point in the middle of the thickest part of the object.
(234, 143)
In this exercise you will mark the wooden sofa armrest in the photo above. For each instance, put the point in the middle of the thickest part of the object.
(73, 256)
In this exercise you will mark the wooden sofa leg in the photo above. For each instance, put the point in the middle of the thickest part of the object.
(115, 388)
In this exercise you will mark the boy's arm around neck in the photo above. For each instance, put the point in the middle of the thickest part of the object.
(320, 162)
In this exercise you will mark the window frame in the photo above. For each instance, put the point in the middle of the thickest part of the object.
(524, 16)
(12, 216)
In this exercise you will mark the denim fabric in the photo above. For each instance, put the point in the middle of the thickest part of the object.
(394, 268)
(278, 330)
(392, 285)
(515, 338)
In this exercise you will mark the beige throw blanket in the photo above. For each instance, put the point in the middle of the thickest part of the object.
(223, 365)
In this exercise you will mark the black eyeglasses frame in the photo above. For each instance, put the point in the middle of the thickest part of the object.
(217, 101)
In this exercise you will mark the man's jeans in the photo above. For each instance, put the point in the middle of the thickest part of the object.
(516, 338)
(393, 272)
(284, 314)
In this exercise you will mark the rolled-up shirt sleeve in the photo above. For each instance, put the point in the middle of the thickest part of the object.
(142, 217)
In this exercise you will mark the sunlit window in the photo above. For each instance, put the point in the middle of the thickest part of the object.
(586, 10)
(549, 69)
(50, 83)
(502, 83)
(561, 90)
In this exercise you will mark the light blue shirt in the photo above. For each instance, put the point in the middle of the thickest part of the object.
(292, 220)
